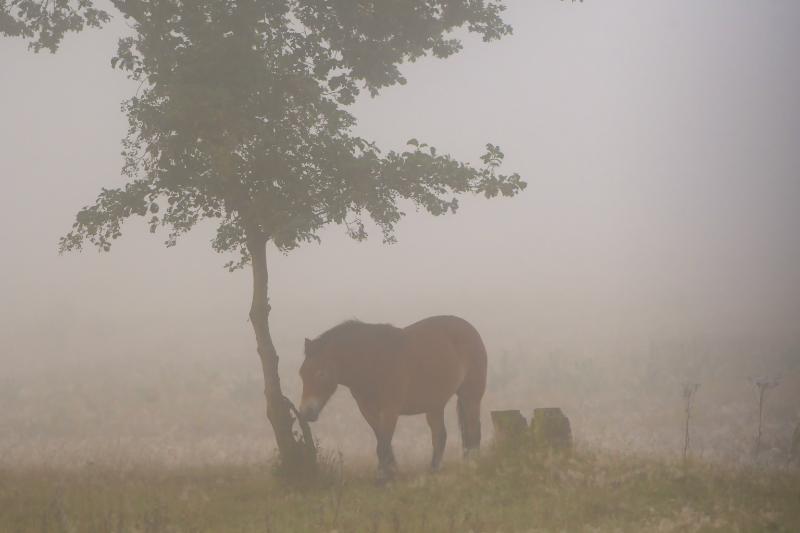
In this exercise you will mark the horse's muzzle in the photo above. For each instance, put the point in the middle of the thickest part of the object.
(309, 411)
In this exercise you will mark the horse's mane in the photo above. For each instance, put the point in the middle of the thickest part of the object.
(356, 330)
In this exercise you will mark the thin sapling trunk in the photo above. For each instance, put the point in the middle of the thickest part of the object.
(297, 452)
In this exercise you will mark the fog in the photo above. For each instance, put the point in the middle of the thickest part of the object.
(656, 244)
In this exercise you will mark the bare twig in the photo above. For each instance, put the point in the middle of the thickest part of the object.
(689, 390)
(763, 385)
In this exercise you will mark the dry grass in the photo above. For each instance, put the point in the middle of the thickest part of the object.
(524, 492)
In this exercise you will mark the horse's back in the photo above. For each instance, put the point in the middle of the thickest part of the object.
(449, 323)
(456, 330)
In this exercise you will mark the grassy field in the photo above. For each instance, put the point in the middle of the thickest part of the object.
(582, 492)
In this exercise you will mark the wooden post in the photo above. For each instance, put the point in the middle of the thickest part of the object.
(550, 428)
(509, 427)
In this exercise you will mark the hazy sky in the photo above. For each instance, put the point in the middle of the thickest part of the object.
(660, 141)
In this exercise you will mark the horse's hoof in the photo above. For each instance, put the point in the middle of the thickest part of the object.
(383, 478)
(471, 455)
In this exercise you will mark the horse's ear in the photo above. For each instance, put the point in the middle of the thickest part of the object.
(308, 346)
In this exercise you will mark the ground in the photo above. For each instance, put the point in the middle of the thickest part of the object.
(583, 491)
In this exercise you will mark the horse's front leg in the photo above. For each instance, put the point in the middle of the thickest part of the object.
(387, 422)
(383, 422)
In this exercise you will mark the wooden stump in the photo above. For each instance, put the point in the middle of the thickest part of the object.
(509, 427)
(550, 428)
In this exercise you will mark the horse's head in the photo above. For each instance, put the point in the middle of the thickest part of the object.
(319, 382)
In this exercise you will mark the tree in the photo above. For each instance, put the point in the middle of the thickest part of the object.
(241, 116)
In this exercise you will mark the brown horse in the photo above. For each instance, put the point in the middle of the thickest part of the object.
(400, 371)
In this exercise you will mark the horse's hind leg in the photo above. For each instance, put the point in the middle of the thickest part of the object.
(438, 436)
(469, 420)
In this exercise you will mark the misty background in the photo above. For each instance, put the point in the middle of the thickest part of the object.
(657, 243)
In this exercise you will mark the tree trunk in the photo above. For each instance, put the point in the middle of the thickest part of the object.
(297, 452)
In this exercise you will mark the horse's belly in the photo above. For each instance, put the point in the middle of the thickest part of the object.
(431, 391)
(419, 408)
(419, 404)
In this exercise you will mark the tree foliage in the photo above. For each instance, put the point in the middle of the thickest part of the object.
(242, 115)
(45, 22)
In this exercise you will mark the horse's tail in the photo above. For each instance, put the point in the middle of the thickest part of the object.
(469, 344)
